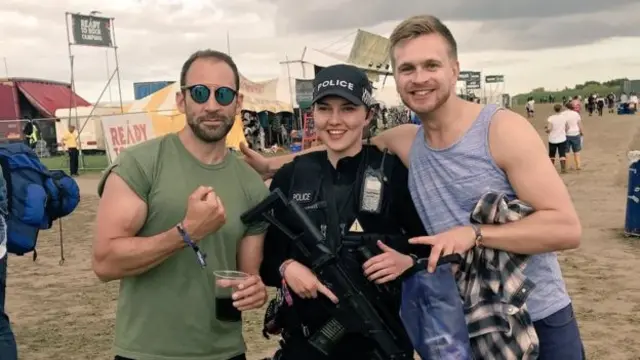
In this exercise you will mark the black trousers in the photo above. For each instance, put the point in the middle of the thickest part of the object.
(239, 357)
(560, 149)
(73, 161)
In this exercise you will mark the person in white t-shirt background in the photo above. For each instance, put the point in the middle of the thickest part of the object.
(557, 130)
(624, 98)
(574, 134)
(633, 100)
(530, 107)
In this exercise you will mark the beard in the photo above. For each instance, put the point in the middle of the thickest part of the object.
(208, 133)
(441, 96)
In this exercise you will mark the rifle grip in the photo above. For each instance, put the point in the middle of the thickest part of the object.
(365, 253)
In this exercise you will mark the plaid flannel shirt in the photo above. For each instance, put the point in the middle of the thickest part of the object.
(494, 289)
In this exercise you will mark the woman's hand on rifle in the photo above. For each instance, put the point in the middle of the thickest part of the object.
(302, 281)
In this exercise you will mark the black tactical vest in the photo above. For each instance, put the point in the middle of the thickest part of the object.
(306, 188)
(355, 230)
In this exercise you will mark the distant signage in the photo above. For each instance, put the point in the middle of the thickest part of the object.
(469, 75)
(91, 30)
(304, 90)
(489, 79)
(473, 84)
(144, 89)
(124, 131)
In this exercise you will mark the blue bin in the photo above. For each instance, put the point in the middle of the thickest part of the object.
(296, 147)
(632, 218)
(625, 109)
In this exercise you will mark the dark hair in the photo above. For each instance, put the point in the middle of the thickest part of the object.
(419, 25)
(557, 107)
(209, 54)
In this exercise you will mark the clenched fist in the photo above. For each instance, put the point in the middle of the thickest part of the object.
(205, 213)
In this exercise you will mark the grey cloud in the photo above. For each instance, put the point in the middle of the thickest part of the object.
(504, 25)
(319, 15)
(554, 32)
(498, 63)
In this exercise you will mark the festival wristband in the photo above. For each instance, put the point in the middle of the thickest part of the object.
(283, 267)
(200, 256)
(285, 290)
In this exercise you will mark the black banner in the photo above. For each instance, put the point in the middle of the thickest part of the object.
(469, 75)
(91, 30)
(489, 79)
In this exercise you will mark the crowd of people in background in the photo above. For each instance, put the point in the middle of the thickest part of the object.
(564, 127)
(592, 103)
(269, 132)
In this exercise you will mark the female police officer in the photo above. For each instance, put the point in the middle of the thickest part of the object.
(356, 195)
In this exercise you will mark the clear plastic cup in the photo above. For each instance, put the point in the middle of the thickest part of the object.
(225, 311)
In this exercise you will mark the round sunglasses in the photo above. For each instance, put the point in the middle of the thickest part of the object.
(201, 93)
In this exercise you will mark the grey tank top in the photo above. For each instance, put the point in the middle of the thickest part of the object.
(445, 185)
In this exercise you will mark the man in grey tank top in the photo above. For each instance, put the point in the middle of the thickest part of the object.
(461, 151)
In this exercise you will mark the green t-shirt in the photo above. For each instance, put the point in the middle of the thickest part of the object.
(168, 313)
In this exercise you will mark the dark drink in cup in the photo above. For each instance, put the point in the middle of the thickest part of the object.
(225, 311)
(227, 282)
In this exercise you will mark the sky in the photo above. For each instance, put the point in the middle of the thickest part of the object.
(549, 46)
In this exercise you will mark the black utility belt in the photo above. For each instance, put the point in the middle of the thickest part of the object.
(354, 240)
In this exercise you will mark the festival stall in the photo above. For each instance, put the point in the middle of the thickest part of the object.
(157, 115)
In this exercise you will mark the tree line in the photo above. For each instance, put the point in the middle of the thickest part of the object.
(584, 89)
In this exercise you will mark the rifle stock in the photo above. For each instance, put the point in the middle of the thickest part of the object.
(354, 313)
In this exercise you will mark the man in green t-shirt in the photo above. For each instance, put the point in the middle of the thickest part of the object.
(166, 202)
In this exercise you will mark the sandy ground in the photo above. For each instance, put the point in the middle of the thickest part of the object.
(64, 312)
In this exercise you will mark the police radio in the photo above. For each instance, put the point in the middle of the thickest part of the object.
(372, 189)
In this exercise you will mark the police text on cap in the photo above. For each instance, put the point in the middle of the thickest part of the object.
(340, 83)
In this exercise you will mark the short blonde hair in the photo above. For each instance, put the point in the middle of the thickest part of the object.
(419, 25)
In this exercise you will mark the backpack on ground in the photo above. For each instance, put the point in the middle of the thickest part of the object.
(36, 197)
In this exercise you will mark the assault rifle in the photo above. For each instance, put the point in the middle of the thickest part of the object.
(355, 312)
